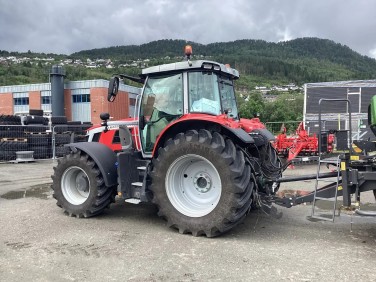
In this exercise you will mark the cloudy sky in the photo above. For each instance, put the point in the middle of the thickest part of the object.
(72, 25)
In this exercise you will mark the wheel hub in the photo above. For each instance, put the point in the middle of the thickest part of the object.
(193, 185)
(82, 184)
(202, 182)
(75, 185)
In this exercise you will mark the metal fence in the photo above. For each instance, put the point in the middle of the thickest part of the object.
(38, 141)
(359, 127)
(276, 127)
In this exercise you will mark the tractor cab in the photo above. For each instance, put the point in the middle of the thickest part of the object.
(173, 91)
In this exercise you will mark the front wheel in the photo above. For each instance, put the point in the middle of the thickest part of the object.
(201, 183)
(78, 186)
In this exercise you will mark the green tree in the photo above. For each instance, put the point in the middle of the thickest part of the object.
(287, 107)
(253, 105)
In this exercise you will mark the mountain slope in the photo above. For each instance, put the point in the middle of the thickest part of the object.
(301, 61)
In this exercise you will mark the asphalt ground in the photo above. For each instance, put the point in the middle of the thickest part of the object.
(131, 243)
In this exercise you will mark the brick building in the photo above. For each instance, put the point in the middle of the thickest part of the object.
(83, 100)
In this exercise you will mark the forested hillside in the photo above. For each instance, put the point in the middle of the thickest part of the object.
(260, 63)
(301, 60)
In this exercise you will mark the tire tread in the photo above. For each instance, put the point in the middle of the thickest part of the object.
(240, 192)
(104, 196)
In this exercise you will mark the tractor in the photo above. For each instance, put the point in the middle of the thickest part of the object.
(187, 151)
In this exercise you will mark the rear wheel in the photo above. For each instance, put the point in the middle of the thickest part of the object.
(79, 187)
(201, 183)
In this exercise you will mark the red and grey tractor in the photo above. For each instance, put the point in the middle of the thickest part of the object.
(187, 151)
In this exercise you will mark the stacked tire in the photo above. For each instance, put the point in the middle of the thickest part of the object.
(38, 120)
(62, 135)
(40, 143)
(16, 131)
(59, 120)
(12, 139)
(38, 137)
(67, 132)
(36, 112)
(9, 147)
(61, 151)
(60, 140)
(79, 130)
(31, 134)
(10, 120)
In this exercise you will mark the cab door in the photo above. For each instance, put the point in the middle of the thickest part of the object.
(161, 104)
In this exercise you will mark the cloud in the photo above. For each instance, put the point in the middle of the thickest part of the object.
(372, 53)
(69, 26)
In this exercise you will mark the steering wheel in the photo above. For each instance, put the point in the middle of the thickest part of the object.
(165, 115)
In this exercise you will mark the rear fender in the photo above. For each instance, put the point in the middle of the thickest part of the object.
(237, 135)
(262, 136)
(104, 158)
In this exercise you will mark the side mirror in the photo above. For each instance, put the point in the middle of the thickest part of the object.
(113, 88)
(104, 117)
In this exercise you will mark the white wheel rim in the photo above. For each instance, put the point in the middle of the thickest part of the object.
(75, 185)
(193, 185)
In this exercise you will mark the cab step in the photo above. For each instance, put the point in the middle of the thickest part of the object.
(133, 201)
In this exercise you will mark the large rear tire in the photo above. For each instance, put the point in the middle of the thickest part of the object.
(78, 186)
(201, 183)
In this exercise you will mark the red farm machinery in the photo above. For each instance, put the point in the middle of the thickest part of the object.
(302, 143)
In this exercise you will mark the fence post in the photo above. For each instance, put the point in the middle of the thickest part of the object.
(53, 144)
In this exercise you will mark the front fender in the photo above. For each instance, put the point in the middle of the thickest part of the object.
(103, 157)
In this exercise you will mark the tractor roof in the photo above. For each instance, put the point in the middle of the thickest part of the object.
(191, 65)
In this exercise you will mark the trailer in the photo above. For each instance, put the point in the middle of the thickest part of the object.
(354, 172)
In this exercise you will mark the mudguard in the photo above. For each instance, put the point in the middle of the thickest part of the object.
(104, 158)
(200, 121)
(242, 135)
(262, 136)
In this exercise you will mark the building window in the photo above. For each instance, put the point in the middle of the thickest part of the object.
(81, 98)
(132, 101)
(21, 101)
(46, 100)
(81, 106)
